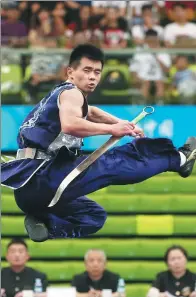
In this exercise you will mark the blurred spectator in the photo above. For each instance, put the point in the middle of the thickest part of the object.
(147, 68)
(42, 35)
(184, 79)
(99, 7)
(59, 10)
(177, 280)
(45, 69)
(13, 31)
(73, 8)
(96, 278)
(58, 29)
(33, 17)
(44, 72)
(114, 30)
(49, 29)
(181, 28)
(189, 5)
(24, 8)
(58, 20)
(135, 9)
(78, 38)
(18, 277)
(81, 24)
(138, 31)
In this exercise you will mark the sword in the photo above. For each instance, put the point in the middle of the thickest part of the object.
(94, 156)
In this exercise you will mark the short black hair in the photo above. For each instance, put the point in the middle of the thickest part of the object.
(175, 247)
(178, 4)
(151, 32)
(17, 241)
(86, 51)
(146, 7)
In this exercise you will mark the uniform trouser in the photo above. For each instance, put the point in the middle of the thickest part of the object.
(75, 215)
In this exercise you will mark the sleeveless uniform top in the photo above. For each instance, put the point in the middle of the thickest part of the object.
(42, 128)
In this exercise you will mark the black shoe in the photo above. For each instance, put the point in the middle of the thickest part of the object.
(189, 150)
(36, 229)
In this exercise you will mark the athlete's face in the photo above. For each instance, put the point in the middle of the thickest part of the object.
(86, 75)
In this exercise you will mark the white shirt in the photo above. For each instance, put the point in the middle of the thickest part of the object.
(147, 67)
(138, 5)
(119, 4)
(172, 31)
(138, 31)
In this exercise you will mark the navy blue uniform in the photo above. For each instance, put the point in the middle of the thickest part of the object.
(35, 181)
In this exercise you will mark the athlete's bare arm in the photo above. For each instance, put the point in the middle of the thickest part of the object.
(97, 115)
(70, 112)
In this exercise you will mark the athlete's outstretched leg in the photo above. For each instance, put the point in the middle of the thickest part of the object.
(128, 164)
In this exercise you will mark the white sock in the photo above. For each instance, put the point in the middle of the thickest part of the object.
(183, 159)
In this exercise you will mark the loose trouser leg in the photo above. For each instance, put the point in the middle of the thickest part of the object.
(78, 218)
(127, 164)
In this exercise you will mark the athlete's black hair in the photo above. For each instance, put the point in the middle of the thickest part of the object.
(88, 51)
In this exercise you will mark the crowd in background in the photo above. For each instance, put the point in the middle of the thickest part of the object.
(109, 25)
(176, 280)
